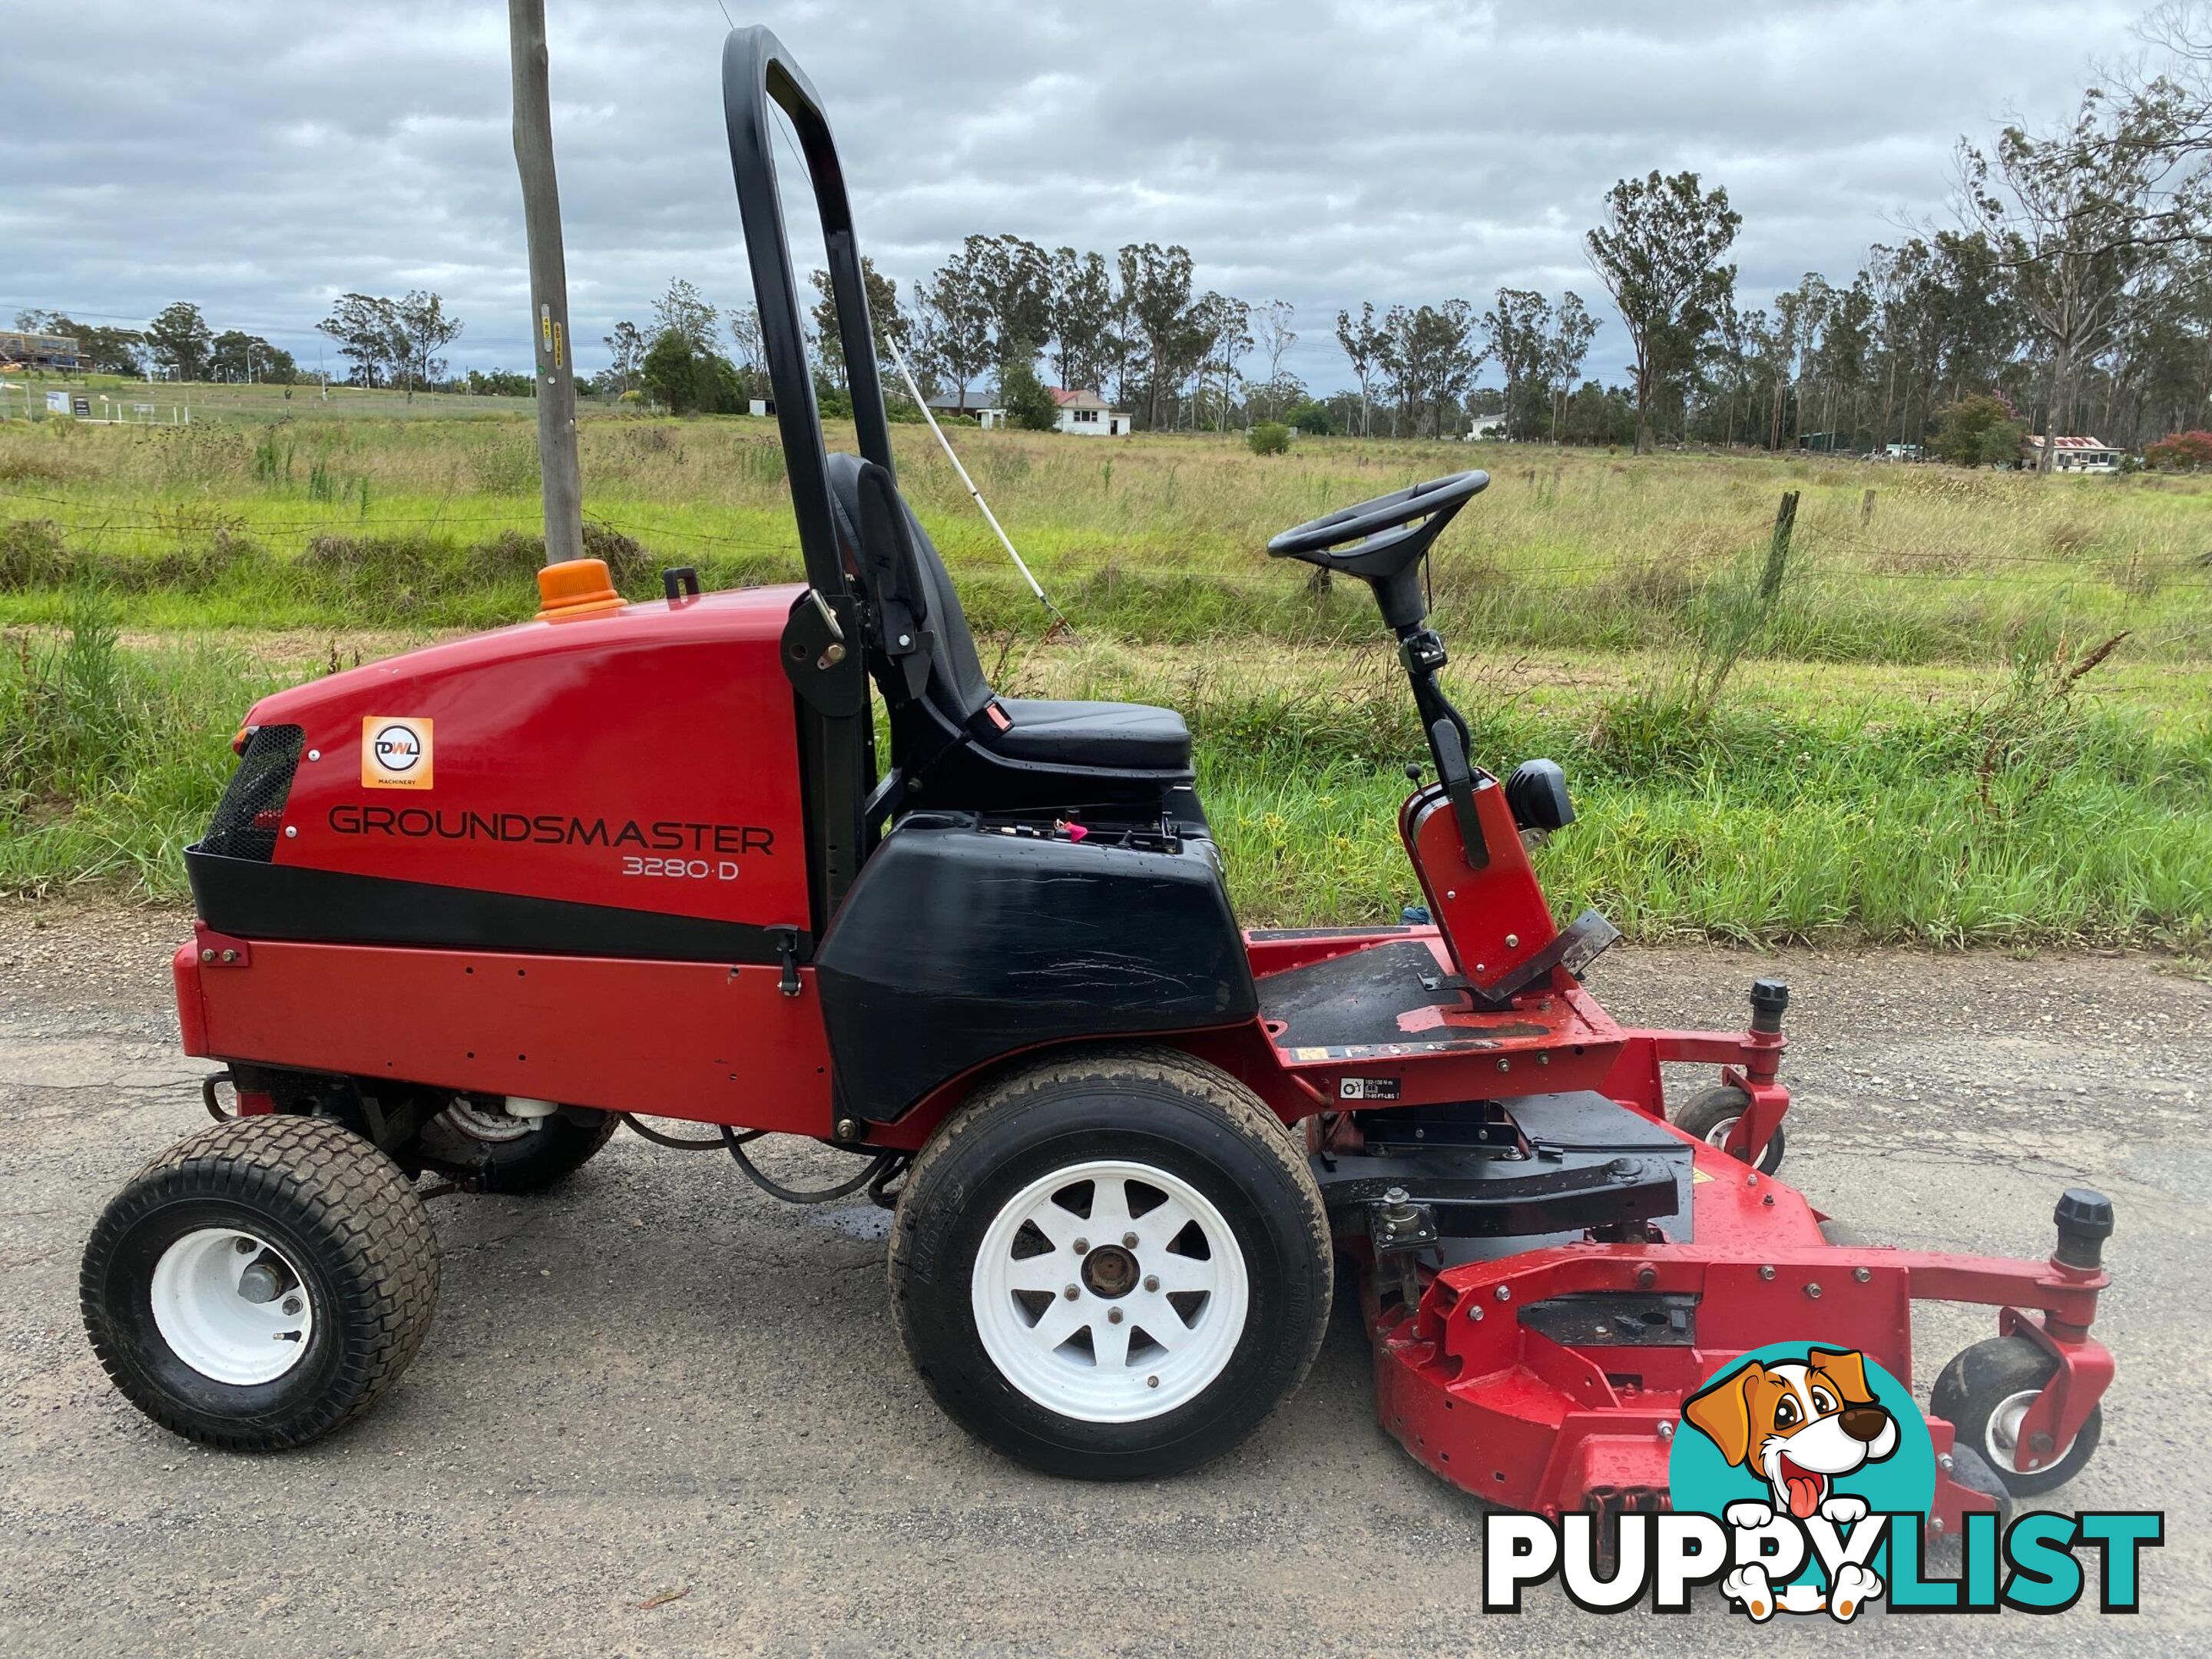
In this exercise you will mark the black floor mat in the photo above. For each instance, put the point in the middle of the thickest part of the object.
(1353, 999)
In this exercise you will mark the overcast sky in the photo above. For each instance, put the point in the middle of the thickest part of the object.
(260, 159)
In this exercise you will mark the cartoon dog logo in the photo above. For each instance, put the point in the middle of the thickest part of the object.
(1798, 1427)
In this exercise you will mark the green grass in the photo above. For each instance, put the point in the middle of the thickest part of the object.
(1153, 539)
(1899, 747)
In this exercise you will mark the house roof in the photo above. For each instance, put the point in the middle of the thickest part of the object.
(2035, 441)
(1076, 397)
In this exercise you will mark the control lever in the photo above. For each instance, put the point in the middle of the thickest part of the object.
(1458, 780)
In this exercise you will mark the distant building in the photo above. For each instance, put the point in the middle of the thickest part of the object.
(2069, 454)
(1084, 414)
(51, 351)
(951, 403)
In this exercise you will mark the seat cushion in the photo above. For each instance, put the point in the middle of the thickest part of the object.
(1120, 736)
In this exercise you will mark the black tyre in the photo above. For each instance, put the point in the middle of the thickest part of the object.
(1112, 1265)
(1983, 1393)
(477, 1139)
(1712, 1115)
(260, 1283)
(1972, 1471)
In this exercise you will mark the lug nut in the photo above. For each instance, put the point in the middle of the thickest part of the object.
(1152, 1381)
(245, 1246)
(1128, 1241)
(1072, 1292)
(291, 1304)
(1152, 1281)
(1113, 1315)
(1083, 1247)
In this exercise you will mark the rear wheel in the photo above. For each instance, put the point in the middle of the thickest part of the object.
(260, 1283)
(1712, 1117)
(477, 1138)
(1112, 1265)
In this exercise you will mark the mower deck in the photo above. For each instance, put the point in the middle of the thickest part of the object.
(1551, 1379)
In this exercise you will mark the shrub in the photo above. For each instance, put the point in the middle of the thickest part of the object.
(1980, 430)
(1269, 438)
(1312, 418)
(1023, 395)
(2180, 452)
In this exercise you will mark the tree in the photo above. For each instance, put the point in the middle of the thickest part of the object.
(1223, 324)
(683, 312)
(1156, 297)
(671, 372)
(954, 319)
(1429, 360)
(1518, 329)
(1276, 337)
(424, 330)
(2075, 215)
(1659, 254)
(1028, 404)
(750, 346)
(234, 356)
(1364, 342)
(1080, 315)
(1980, 430)
(886, 321)
(625, 354)
(1573, 330)
(1015, 278)
(369, 334)
(179, 341)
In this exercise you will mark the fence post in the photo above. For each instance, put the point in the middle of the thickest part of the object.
(548, 284)
(1866, 509)
(1778, 551)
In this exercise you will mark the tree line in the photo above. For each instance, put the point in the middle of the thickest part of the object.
(178, 345)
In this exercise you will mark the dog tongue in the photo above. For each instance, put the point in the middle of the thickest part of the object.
(1804, 1495)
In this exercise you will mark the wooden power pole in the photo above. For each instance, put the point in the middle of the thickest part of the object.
(548, 284)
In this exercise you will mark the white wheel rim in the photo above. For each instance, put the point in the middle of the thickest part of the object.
(494, 1124)
(2002, 1438)
(232, 1306)
(1719, 1134)
(1180, 1319)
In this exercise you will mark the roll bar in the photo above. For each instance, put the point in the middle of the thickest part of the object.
(756, 67)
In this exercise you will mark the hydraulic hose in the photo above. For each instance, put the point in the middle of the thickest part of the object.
(878, 1166)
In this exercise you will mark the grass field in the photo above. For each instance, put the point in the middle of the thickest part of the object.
(1896, 745)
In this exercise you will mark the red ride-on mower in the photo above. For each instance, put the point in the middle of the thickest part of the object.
(466, 911)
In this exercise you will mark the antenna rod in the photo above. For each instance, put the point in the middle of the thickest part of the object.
(990, 518)
(548, 284)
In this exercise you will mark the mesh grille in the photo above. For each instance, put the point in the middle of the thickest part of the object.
(248, 817)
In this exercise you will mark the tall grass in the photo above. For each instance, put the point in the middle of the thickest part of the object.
(1154, 538)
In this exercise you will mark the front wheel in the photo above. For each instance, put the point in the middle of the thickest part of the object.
(1984, 1394)
(1712, 1117)
(260, 1283)
(1112, 1265)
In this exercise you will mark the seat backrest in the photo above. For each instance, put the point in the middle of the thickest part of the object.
(956, 686)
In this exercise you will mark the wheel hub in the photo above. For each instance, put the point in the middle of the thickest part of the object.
(1110, 1291)
(231, 1306)
(1109, 1271)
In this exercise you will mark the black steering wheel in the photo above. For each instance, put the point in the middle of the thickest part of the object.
(1380, 541)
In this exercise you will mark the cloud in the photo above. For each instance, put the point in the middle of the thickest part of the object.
(261, 159)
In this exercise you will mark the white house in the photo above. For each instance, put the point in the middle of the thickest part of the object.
(949, 403)
(1084, 414)
(2069, 454)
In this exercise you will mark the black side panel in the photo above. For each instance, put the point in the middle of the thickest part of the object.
(958, 945)
(288, 902)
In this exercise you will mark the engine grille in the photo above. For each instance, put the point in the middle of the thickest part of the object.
(252, 810)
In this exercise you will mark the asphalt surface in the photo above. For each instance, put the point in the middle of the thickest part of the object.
(660, 1413)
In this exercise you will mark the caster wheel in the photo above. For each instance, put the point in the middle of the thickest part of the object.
(1984, 1393)
(1112, 1265)
(1711, 1117)
(260, 1283)
(476, 1140)
(1972, 1471)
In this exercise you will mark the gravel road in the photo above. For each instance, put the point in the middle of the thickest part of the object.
(661, 1414)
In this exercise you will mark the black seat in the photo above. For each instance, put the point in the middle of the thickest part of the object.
(1094, 743)
(1121, 736)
